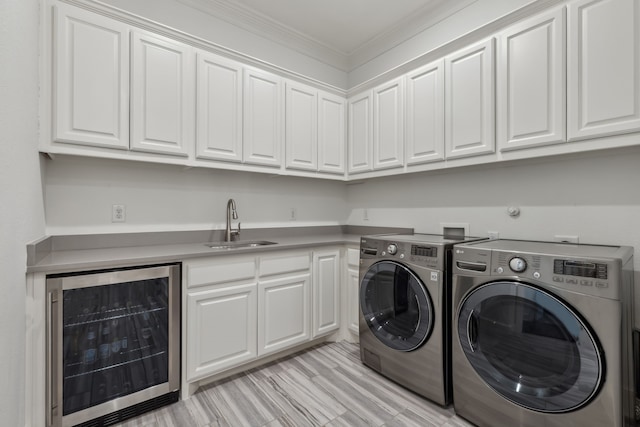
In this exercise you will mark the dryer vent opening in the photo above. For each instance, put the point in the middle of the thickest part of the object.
(453, 232)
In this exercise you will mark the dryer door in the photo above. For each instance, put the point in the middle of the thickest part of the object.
(396, 306)
(530, 347)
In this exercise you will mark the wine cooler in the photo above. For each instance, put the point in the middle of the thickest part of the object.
(113, 344)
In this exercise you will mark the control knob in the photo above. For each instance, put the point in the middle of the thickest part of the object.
(392, 249)
(517, 265)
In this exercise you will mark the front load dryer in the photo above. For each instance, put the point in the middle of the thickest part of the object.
(541, 334)
(404, 310)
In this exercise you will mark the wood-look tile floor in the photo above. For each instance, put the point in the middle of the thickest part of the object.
(326, 385)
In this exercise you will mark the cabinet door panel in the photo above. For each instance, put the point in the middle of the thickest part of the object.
(425, 114)
(326, 292)
(603, 67)
(262, 118)
(531, 90)
(283, 313)
(219, 108)
(360, 133)
(354, 300)
(331, 133)
(388, 120)
(162, 95)
(91, 96)
(469, 100)
(221, 329)
(301, 127)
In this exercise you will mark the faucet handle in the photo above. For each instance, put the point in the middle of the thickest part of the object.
(235, 233)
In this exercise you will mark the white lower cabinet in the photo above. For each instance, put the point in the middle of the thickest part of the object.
(284, 292)
(283, 312)
(221, 314)
(353, 284)
(326, 291)
(221, 328)
(237, 309)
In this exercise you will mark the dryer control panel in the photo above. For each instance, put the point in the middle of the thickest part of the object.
(598, 277)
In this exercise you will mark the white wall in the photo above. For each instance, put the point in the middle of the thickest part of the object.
(79, 193)
(21, 210)
(594, 196)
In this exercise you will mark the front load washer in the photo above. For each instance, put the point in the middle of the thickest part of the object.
(404, 315)
(541, 334)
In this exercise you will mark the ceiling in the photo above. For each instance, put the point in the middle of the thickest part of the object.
(341, 33)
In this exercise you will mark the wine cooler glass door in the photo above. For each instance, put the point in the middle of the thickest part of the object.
(113, 340)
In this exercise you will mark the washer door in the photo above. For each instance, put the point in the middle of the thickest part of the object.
(396, 306)
(530, 347)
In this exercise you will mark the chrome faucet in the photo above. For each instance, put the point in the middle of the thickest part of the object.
(231, 235)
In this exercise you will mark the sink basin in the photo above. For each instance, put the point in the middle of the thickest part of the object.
(239, 244)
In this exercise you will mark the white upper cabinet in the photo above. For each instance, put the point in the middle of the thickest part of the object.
(388, 125)
(91, 77)
(603, 67)
(162, 95)
(331, 133)
(425, 114)
(262, 130)
(470, 101)
(301, 121)
(219, 108)
(531, 82)
(315, 129)
(360, 133)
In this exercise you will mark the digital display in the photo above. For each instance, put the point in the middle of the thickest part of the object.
(580, 269)
(428, 251)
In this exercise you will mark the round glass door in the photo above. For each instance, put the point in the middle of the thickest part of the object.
(530, 347)
(396, 306)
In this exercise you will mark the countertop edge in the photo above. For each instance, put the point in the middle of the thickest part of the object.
(44, 258)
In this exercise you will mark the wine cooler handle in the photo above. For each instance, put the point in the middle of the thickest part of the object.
(54, 364)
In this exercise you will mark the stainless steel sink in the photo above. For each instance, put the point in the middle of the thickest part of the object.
(239, 244)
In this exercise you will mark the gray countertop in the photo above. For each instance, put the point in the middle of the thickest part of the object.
(59, 254)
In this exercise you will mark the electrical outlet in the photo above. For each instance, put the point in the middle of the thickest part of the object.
(565, 239)
(365, 215)
(293, 214)
(493, 235)
(118, 213)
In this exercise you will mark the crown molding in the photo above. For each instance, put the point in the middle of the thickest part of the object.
(263, 26)
(257, 23)
(425, 18)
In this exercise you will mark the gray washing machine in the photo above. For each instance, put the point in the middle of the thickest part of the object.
(405, 290)
(541, 334)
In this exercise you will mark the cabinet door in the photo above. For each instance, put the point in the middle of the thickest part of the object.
(388, 122)
(219, 108)
(353, 292)
(283, 312)
(360, 133)
(262, 130)
(603, 67)
(425, 114)
(162, 95)
(331, 133)
(301, 120)
(91, 72)
(354, 300)
(221, 329)
(326, 292)
(531, 90)
(469, 101)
